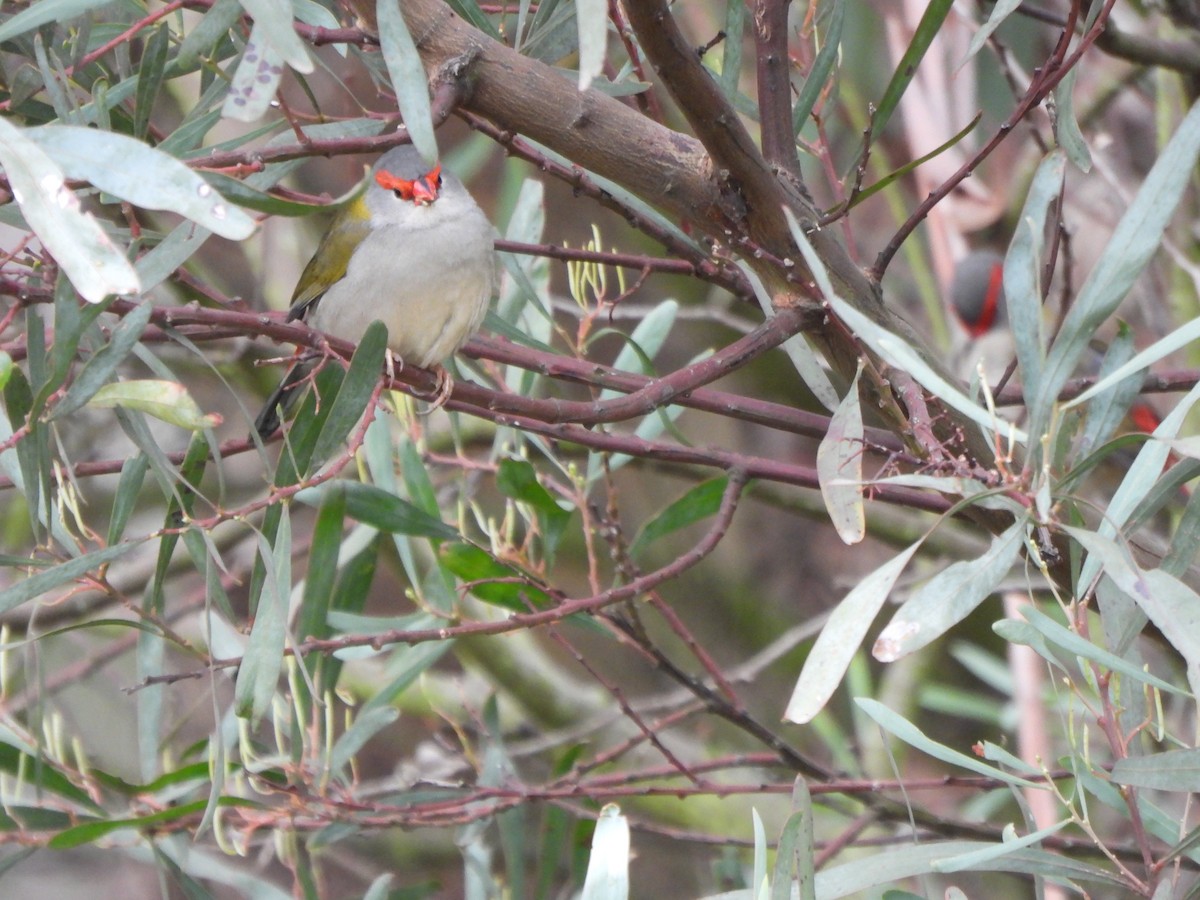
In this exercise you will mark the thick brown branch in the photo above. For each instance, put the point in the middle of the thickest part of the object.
(774, 86)
(527, 97)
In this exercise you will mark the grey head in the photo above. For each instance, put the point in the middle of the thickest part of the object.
(406, 190)
(977, 292)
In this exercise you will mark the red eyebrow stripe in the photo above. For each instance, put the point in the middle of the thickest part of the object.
(425, 187)
(991, 303)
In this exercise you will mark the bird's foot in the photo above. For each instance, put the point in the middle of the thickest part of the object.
(392, 363)
(441, 393)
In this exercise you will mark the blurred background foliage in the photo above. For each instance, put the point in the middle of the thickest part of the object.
(415, 655)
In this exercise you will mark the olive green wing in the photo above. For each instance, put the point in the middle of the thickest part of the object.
(328, 265)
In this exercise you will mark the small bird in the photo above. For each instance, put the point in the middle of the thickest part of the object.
(977, 292)
(413, 251)
(977, 299)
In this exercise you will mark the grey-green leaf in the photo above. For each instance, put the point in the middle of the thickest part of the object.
(255, 80)
(608, 866)
(949, 597)
(1171, 770)
(591, 16)
(355, 391)
(93, 263)
(373, 506)
(273, 20)
(1078, 646)
(1023, 272)
(408, 76)
(839, 467)
(47, 11)
(141, 174)
(897, 725)
(39, 584)
(1136, 238)
(258, 675)
(104, 362)
(841, 638)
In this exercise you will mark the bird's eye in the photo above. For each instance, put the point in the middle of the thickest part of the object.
(422, 191)
(401, 187)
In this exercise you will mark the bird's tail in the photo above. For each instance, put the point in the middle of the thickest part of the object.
(269, 419)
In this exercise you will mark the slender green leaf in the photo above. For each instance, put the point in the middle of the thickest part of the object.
(1168, 602)
(554, 35)
(43, 582)
(1023, 272)
(379, 889)
(840, 467)
(245, 195)
(43, 12)
(799, 351)
(349, 600)
(355, 391)
(794, 855)
(408, 76)
(1078, 646)
(143, 175)
(841, 638)
(407, 665)
(1136, 238)
(591, 17)
(758, 878)
(927, 29)
(273, 20)
(168, 401)
(1185, 542)
(608, 866)
(150, 78)
(376, 507)
(949, 597)
(1160, 349)
(55, 80)
(17, 757)
(133, 474)
(731, 58)
(256, 79)
(366, 725)
(24, 463)
(1171, 770)
(322, 565)
(211, 30)
(258, 676)
(492, 581)
(156, 266)
(895, 724)
(899, 354)
(645, 342)
(95, 265)
(93, 831)
(517, 478)
(1109, 409)
(975, 859)
(822, 66)
(699, 503)
(103, 363)
(1066, 124)
(903, 171)
(1140, 477)
(856, 878)
(1001, 10)
(470, 11)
